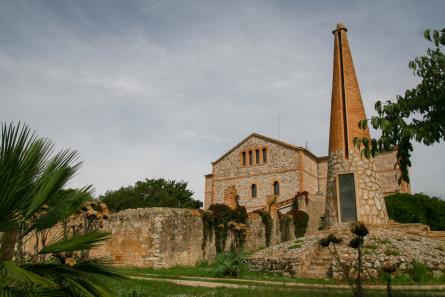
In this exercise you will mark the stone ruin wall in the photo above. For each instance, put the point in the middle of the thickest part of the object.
(168, 237)
(315, 208)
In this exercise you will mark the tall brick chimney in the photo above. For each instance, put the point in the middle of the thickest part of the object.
(353, 191)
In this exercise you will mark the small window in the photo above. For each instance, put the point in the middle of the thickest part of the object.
(244, 158)
(253, 190)
(250, 157)
(264, 155)
(257, 157)
(276, 188)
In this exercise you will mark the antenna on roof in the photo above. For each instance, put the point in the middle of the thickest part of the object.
(278, 128)
(306, 144)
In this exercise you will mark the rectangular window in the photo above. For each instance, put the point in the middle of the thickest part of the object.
(244, 158)
(257, 156)
(250, 157)
(264, 155)
(348, 208)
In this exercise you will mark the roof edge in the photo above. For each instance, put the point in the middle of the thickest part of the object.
(273, 140)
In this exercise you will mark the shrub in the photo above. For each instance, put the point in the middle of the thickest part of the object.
(392, 251)
(207, 227)
(222, 216)
(300, 222)
(151, 193)
(229, 264)
(322, 223)
(417, 208)
(418, 272)
(298, 244)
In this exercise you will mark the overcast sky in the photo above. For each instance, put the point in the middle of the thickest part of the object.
(160, 88)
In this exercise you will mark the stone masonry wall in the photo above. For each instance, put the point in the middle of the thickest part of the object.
(310, 174)
(387, 174)
(167, 237)
(281, 166)
(315, 209)
(208, 191)
(370, 204)
(322, 174)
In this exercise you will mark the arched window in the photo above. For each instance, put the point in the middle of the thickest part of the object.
(257, 156)
(250, 158)
(276, 188)
(253, 190)
(264, 155)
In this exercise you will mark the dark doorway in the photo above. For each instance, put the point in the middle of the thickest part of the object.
(348, 208)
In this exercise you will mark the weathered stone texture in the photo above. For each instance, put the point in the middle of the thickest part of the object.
(153, 237)
(281, 166)
(310, 177)
(387, 174)
(322, 174)
(208, 190)
(370, 203)
(294, 168)
(400, 243)
(315, 209)
(167, 237)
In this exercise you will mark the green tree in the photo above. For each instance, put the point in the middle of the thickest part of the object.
(151, 193)
(417, 208)
(30, 177)
(418, 115)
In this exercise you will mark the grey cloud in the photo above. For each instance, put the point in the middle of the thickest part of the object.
(165, 91)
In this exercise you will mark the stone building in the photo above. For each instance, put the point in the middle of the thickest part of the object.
(343, 186)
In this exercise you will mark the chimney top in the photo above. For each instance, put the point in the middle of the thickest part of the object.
(340, 26)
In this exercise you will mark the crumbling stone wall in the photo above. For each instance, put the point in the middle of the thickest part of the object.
(314, 209)
(167, 237)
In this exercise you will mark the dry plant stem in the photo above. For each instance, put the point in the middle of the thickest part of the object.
(343, 266)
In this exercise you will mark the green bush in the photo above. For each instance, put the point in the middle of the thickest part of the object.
(418, 272)
(417, 208)
(222, 215)
(229, 264)
(300, 222)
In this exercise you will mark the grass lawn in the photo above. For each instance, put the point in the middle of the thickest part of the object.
(208, 271)
(142, 288)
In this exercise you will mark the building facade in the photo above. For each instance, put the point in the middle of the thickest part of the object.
(261, 167)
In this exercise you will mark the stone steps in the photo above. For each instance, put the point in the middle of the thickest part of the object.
(319, 265)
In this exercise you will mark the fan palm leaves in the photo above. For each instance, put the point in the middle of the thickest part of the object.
(31, 175)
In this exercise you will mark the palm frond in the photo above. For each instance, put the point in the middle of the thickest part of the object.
(77, 243)
(88, 288)
(63, 209)
(20, 275)
(57, 173)
(9, 292)
(99, 266)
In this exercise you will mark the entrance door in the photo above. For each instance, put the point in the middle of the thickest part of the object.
(348, 208)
